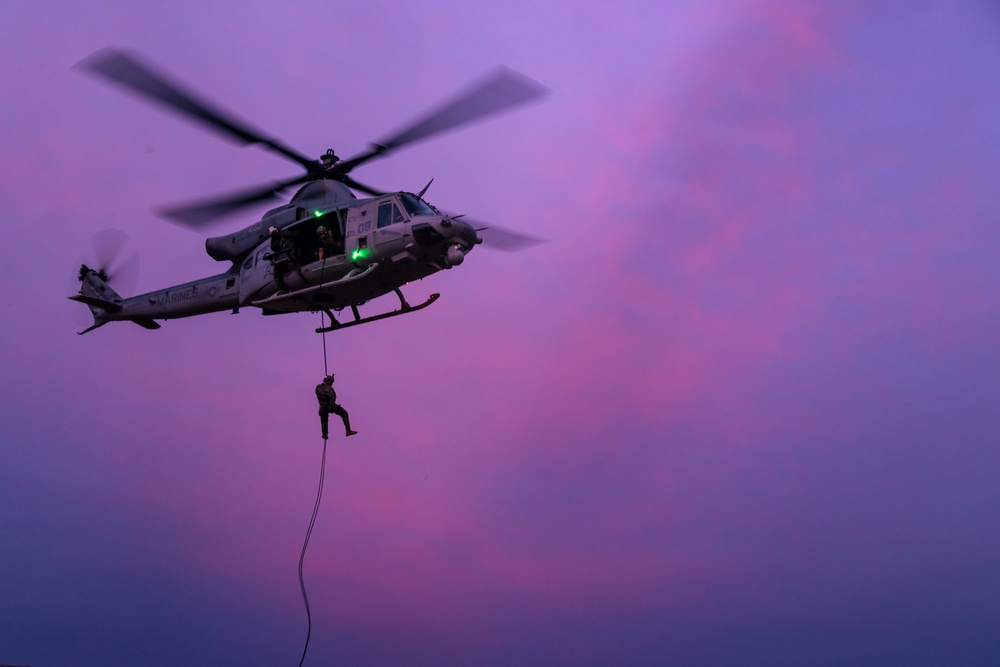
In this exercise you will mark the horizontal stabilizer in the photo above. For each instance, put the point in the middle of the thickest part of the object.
(95, 302)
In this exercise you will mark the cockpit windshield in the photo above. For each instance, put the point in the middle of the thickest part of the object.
(414, 205)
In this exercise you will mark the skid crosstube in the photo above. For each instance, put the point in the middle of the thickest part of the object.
(404, 308)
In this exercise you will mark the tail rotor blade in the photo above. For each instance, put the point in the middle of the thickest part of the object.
(121, 269)
(107, 244)
(124, 274)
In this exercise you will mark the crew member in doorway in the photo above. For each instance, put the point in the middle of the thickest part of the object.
(327, 398)
(281, 254)
(326, 242)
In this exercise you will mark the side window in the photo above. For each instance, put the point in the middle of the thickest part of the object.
(388, 213)
(384, 214)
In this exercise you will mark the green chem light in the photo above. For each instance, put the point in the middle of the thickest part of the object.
(317, 213)
(358, 254)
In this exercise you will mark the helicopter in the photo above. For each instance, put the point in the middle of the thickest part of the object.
(324, 250)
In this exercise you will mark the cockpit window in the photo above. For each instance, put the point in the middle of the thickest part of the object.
(414, 205)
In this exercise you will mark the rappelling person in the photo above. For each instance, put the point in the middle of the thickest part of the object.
(327, 398)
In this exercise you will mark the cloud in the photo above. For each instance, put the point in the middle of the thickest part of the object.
(746, 390)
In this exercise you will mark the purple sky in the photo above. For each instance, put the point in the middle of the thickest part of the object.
(741, 409)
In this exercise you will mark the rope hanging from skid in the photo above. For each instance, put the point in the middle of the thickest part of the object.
(312, 521)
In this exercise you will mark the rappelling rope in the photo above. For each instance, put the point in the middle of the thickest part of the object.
(302, 556)
(322, 323)
(312, 520)
(322, 320)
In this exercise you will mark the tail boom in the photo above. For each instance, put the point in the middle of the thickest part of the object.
(212, 294)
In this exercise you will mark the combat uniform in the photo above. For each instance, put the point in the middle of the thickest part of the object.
(327, 398)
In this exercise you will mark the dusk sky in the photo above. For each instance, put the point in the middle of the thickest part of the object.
(741, 408)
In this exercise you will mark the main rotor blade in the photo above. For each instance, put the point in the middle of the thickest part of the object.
(361, 187)
(203, 212)
(501, 238)
(130, 72)
(503, 89)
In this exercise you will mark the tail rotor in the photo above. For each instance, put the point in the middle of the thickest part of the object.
(111, 262)
(95, 289)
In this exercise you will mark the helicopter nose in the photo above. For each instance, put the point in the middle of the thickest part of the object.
(452, 238)
(462, 231)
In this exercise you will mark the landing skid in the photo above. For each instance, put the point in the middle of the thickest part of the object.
(403, 309)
